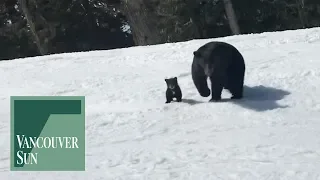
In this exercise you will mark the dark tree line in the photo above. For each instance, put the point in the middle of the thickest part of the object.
(40, 27)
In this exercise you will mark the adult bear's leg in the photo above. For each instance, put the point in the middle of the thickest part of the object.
(200, 81)
(237, 89)
(236, 80)
(216, 87)
(218, 81)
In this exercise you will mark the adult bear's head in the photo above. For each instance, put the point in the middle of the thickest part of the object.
(203, 60)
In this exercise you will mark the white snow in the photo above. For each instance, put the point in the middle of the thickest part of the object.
(272, 134)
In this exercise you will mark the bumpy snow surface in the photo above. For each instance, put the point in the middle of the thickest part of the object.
(273, 133)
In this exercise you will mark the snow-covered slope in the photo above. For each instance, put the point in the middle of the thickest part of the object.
(273, 133)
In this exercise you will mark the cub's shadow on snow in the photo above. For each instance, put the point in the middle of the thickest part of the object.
(191, 101)
(257, 98)
(261, 98)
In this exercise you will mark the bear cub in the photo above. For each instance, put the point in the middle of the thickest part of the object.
(173, 90)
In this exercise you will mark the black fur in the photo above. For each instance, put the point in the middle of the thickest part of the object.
(173, 90)
(225, 67)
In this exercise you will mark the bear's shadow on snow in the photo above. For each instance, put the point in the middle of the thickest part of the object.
(257, 98)
(261, 98)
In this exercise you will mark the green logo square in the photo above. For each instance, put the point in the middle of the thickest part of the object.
(47, 133)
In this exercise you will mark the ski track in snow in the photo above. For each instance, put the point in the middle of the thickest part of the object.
(273, 133)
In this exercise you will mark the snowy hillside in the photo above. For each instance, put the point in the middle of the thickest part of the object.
(273, 133)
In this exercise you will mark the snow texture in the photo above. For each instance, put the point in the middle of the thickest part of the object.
(272, 134)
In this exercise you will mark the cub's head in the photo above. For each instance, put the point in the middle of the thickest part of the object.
(204, 62)
(172, 83)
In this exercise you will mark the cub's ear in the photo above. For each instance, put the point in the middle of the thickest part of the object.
(165, 80)
(196, 54)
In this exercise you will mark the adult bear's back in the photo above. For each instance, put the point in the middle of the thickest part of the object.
(225, 50)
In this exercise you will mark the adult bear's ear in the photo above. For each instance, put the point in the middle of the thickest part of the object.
(196, 54)
(165, 80)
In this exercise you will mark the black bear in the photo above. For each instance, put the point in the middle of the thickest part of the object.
(173, 90)
(225, 67)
